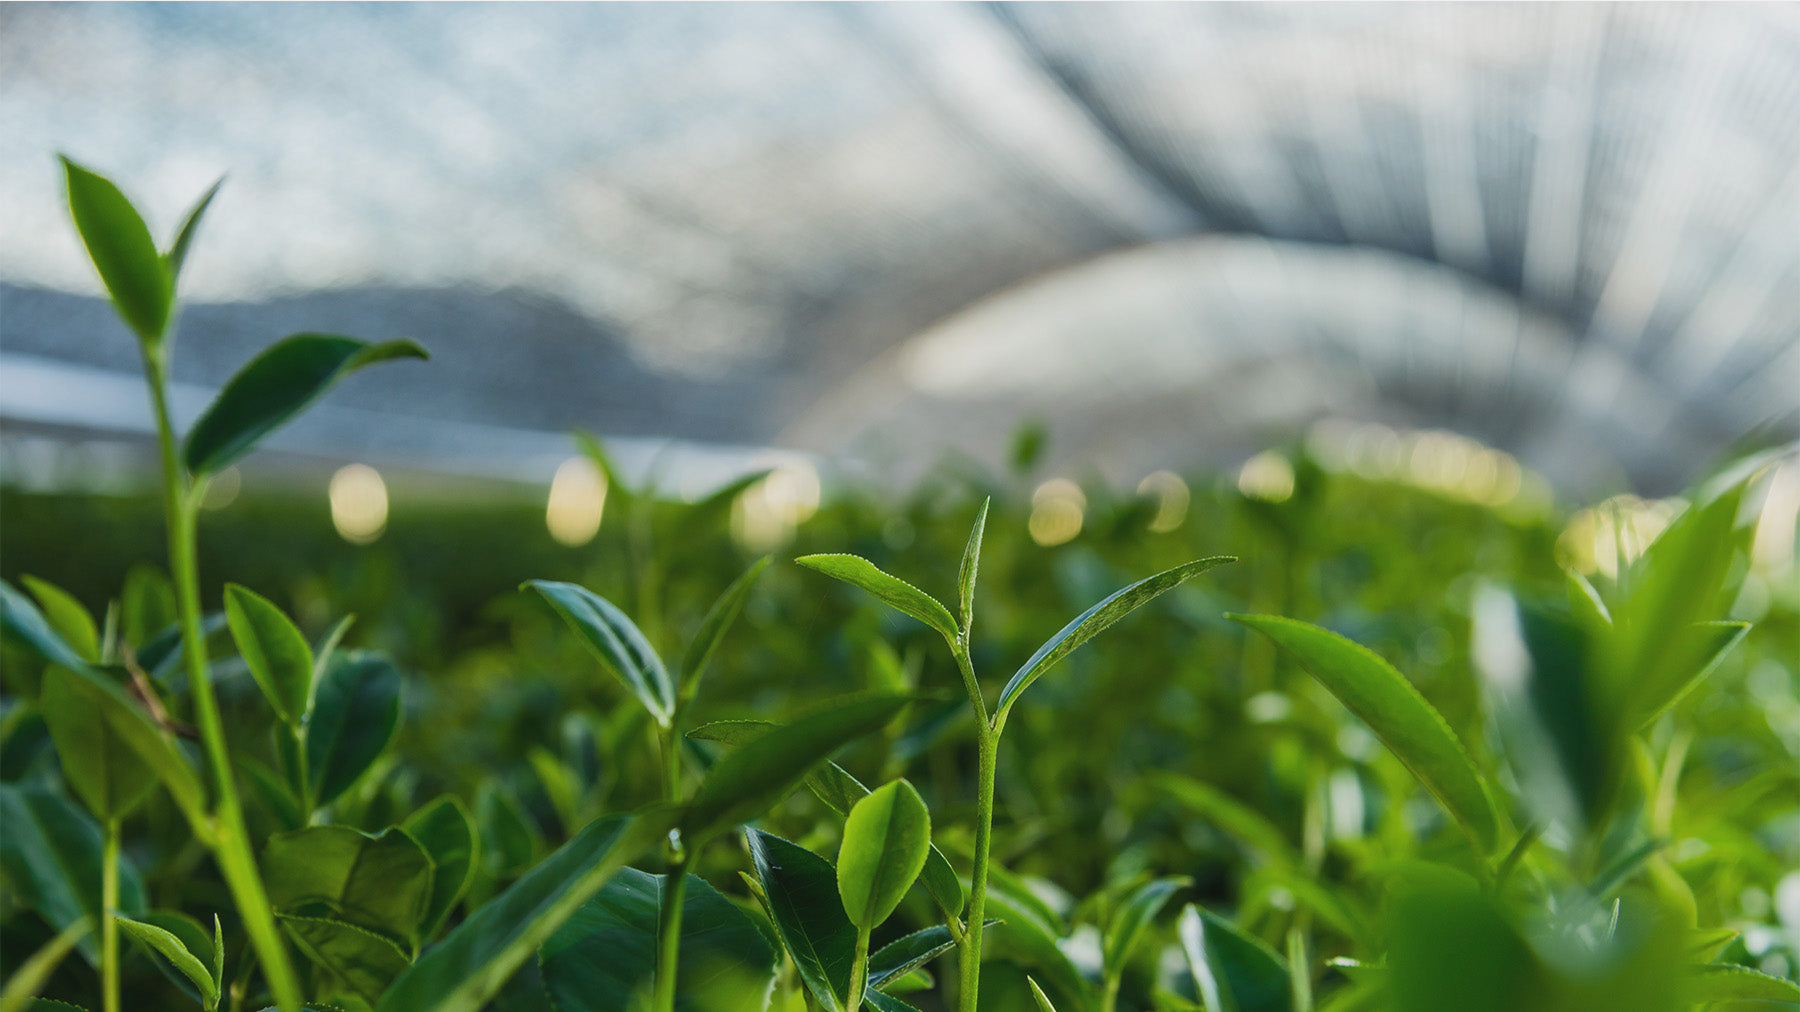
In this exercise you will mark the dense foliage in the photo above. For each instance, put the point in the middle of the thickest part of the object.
(1364, 747)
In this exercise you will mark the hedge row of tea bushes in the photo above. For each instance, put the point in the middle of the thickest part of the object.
(1361, 748)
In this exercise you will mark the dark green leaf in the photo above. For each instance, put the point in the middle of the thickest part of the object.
(907, 953)
(128, 723)
(1092, 622)
(883, 1002)
(184, 236)
(619, 644)
(66, 615)
(1416, 733)
(1134, 915)
(24, 623)
(1233, 972)
(475, 960)
(173, 949)
(604, 958)
(510, 841)
(447, 832)
(971, 564)
(104, 770)
(275, 651)
(359, 961)
(272, 792)
(712, 628)
(801, 891)
(50, 852)
(840, 792)
(381, 883)
(889, 589)
(275, 386)
(747, 782)
(120, 246)
(886, 838)
(355, 711)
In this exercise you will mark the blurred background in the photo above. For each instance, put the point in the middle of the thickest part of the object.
(1525, 255)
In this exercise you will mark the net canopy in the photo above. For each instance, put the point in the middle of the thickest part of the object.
(1172, 233)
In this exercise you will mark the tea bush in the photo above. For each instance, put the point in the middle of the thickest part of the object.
(1390, 756)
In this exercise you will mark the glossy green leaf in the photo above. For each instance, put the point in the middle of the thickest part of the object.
(1729, 984)
(50, 852)
(34, 972)
(1092, 622)
(275, 651)
(1037, 995)
(176, 257)
(971, 565)
(1233, 972)
(475, 960)
(381, 883)
(173, 949)
(358, 961)
(24, 623)
(1389, 704)
(840, 792)
(104, 770)
(617, 641)
(1134, 914)
(604, 958)
(881, 1001)
(67, 616)
(1024, 938)
(119, 244)
(890, 590)
(447, 832)
(754, 777)
(907, 953)
(886, 838)
(128, 723)
(275, 386)
(800, 889)
(356, 709)
(712, 630)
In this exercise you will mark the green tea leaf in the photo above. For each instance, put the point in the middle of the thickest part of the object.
(1037, 995)
(620, 645)
(475, 960)
(1237, 819)
(119, 244)
(184, 236)
(50, 852)
(154, 748)
(1135, 913)
(1729, 984)
(381, 883)
(604, 958)
(890, 590)
(712, 628)
(355, 712)
(104, 770)
(801, 891)
(1418, 735)
(66, 615)
(1092, 622)
(886, 838)
(510, 841)
(1233, 972)
(171, 948)
(748, 781)
(907, 953)
(1713, 640)
(275, 651)
(840, 792)
(34, 972)
(971, 564)
(24, 623)
(361, 962)
(881, 1001)
(275, 386)
(147, 606)
(1023, 938)
(447, 832)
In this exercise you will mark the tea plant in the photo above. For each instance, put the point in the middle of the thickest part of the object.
(1578, 796)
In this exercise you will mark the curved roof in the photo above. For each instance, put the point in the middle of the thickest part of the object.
(751, 223)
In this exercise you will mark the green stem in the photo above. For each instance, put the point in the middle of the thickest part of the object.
(988, 741)
(1109, 999)
(859, 970)
(109, 928)
(230, 841)
(668, 942)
